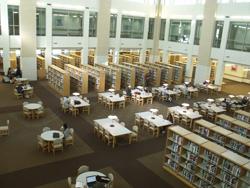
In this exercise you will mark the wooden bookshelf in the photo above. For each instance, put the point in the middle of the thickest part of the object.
(201, 163)
(222, 136)
(233, 124)
(166, 72)
(57, 62)
(140, 73)
(41, 71)
(242, 115)
(91, 59)
(78, 78)
(154, 72)
(125, 58)
(13, 60)
(127, 75)
(112, 77)
(59, 80)
(96, 77)
(66, 59)
(77, 59)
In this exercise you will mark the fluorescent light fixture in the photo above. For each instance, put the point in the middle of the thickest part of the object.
(69, 7)
(241, 17)
(15, 12)
(133, 13)
(114, 11)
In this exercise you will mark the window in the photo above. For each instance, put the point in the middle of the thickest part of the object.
(13, 14)
(162, 29)
(239, 36)
(67, 23)
(113, 22)
(40, 22)
(92, 24)
(179, 31)
(0, 24)
(218, 33)
(132, 27)
(151, 28)
(197, 34)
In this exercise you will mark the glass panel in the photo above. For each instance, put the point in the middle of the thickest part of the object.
(137, 28)
(40, 21)
(59, 23)
(113, 20)
(75, 25)
(179, 31)
(162, 29)
(151, 28)
(126, 27)
(236, 37)
(218, 33)
(13, 18)
(92, 24)
(197, 34)
(247, 39)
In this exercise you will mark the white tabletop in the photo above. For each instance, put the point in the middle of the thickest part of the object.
(32, 106)
(154, 119)
(48, 135)
(112, 97)
(166, 91)
(113, 127)
(184, 111)
(213, 107)
(81, 179)
(21, 79)
(82, 104)
(192, 89)
(142, 94)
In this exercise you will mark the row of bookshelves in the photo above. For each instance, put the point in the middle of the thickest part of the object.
(242, 115)
(201, 163)
(41, 71)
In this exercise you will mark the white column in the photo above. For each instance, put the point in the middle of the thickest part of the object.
(103, 27)
(117, 38)
(144, 43)
(5, 34)
(28, 38)
(221, 65)
(85, 47)
(166, 51)
(48, 50)
(189, 65)
(203, 68)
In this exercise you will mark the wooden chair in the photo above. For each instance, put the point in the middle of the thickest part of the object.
(70, 183)
(41, 143)
(82, 169)
(133, 98)
(122, 104)
(100, 132)
(123, 124)
(57, 145)
(74, 111)
(152, 128)
(99, 98)
(150, 100)
(138, 120)
(146, 124)
(18, 95)
(45, 129)
(211, 115)
(186, 121)
(111, 183)
(139, 100)
(70, 139)
(110, 105)
(203, 111)
(4, 130)
(176, 117)
(27, 113)
(107, 137)
(134, 134)
(162, 98)
(65, 108)
(39, 113)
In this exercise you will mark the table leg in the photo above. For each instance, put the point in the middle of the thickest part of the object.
(129, 139)
(113, 145)
(88, 110)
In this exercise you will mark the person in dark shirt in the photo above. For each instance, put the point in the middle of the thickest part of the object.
(20, 89)
(18, 73)
(128, 91)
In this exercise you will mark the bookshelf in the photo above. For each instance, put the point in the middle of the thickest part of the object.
(59, 80)
(127, 75)
(242, 115)
(233, 124)
(222, 136)
(154, 73)
(112, 77)
(77, 59)
(57, 62)
(65, 59)
(125, 58)
(96, 77)
(140, 73)
(166, 72)
(78, 78)
(41, 71)
(201, 163)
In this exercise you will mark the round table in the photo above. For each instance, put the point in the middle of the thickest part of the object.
(48, 135)
(81, 179)
(33, 106)
(76, 94)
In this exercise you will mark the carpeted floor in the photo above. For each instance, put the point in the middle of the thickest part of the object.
(22, 165)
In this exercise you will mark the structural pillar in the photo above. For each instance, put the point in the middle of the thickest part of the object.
(48, 50)
(157, 26)
(203, 67)
(144, 43)
(85, 48)
(103, 27)
(5, 34)
(28, 38)
(117, 38)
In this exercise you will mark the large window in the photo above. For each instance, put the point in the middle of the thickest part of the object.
(92, 24)
(151, 28)
(179, 31)
(239, 36)
(162, 29)
(13, 14)
(113, 22)
(40, 21)
(197, 34)
(132, 27)
(218, 33)
(67, 23)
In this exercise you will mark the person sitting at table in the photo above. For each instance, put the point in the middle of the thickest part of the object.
(128, 91)
(20, 89)
(66, 130)
(18, 73)
(244, 100)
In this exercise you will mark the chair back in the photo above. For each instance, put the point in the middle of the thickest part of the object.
(135, 128)
(46, 129)
(82, 169)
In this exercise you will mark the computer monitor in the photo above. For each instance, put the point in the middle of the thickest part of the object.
(90, 180)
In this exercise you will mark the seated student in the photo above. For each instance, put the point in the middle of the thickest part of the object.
(244, 101)
(66, 130)
(20, 89)
(128, 91)
(18, 73)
